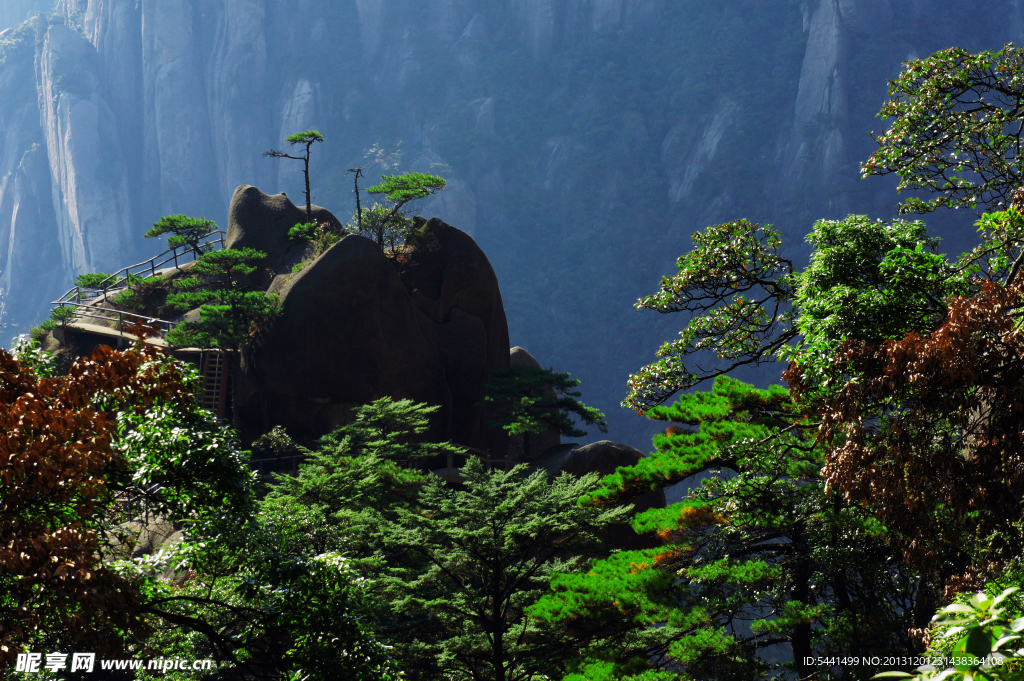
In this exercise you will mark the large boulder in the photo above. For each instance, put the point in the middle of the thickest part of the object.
(444, 272)
(603, 458)
(348, 334)
(356, 326)
(261, 221)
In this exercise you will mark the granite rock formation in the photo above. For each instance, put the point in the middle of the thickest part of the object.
(357, 325)
(261, 221)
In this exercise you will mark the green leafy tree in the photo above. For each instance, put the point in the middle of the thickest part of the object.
(230, 316)
(981, 635)
(305, 139)
(322, 235)
(738, 291)
(868, 280)
(757, 555)
(186, 232)
(65, 466)
(143, 448)
(267, 613)
(63, 315)
(30, 355)
(95, 280)
(533, 400)
(487, 553)
(350, 488)
(379, 223)
(956, 129)
(397, 191)
(357, 475)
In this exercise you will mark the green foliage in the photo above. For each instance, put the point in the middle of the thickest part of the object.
(381, 224)
(397, 190)
(488, 554)
(758, 541)
(229, 315)
(30, 355)
(401, 189)
(304, 137)
(738, 289)
(128, 300)
(258, 606)
(275, 443)
(984, 632)
(956, 129)
(63, 315)
(361, 465)
(321, 235)
(533, 400)
(868, 281)
(396, 430)
(38, 333)
(235, 318)
(185, 232)
(246, 600)
(304, 231)
(307, 139)
(194, 460)
(94, 280)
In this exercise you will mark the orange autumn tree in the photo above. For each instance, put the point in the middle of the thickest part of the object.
(56, 467)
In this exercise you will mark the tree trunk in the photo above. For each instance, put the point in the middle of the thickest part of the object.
(309, 199)
(359, 208)
(801, 641)
(497, 641)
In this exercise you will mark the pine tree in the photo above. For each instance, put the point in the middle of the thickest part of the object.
(532, 400)
(757, 555)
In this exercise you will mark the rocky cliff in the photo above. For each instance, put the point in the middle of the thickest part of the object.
(356, 326)
(583, 140)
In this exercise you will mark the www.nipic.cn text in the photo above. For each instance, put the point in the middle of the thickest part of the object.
(33, 663)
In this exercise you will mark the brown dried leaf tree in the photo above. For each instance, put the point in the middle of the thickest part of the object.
(55, 463)
(931, 431)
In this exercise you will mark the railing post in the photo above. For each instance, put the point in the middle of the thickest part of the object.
(120, 323)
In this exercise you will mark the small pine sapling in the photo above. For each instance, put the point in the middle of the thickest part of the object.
(185, 232)
(397, 190)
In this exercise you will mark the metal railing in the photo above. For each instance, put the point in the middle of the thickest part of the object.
(85, 300)
(122, 279)
(90, 311)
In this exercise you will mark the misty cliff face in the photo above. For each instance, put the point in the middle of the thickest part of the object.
(584, 141)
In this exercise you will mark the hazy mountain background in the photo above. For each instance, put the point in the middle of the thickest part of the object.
(584, 141)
